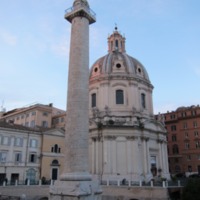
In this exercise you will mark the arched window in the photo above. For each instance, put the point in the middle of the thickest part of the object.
(31, 175)
(119, 97)
(143, 100)
(175, 149)
(55, 163)
(116, 44)
(93, 100)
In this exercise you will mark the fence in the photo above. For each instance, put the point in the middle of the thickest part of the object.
(124, 183)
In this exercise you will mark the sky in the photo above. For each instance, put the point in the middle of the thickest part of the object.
(164, 35)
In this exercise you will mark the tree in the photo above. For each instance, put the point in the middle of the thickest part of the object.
(192, 190)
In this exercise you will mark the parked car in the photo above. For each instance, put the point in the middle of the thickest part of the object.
(194, 176)
(180, 175)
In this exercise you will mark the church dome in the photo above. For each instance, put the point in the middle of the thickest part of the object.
(117, 61)
(119, 84)
(126, 142)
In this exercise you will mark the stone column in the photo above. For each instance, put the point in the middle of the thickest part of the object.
(144, 155)
(76, 182)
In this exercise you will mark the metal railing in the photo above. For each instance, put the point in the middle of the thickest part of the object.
(118, 183)
(89, 10)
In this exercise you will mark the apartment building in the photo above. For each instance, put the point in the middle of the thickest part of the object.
(20, 149)
(30, 153)
(37, 115)
(183, 127)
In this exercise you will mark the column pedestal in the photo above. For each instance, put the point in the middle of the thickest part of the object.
(75, 190)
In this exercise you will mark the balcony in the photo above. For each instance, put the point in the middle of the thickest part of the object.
(80, 10)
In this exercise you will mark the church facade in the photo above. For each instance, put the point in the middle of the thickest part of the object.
(126, 142)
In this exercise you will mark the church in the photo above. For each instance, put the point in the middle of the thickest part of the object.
(125, 141)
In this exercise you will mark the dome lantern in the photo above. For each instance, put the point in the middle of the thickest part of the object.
(116, 42)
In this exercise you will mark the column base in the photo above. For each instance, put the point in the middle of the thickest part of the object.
(75, 190)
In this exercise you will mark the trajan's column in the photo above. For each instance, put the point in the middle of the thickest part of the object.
(76, 181)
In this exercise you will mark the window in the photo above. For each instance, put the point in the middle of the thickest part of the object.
(186, 134)
(55, 149)
(33, 143)
(32, 123)
(45, 113)
(172, 116)
(187, 145)
(6, 140)
(173, 128)
(175, 149)
(173, 138)
(22, 117)
(31, 175)
(27, 115)
(177, 168)
(118, 65)
(176, 160)
(62, 119)
(197, 144)
(27, 124)
(196, 134)
(193, 112)
(3, 156)
(153, 161)
(195, 124)
(33, 113)
(189, 168)
(93, 100)
(184, 114)
(185, 125)
(116, 44)
(143, 100)
(188, 157)
(119, 97)
(56, 121)
(32, 157)
(18, 142)
(18, 156)
(55, 163)
(44, 124)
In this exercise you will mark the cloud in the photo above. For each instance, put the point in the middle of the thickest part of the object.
(8, 38)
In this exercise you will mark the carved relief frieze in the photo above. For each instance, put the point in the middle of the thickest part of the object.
(110, 137)
(131, 137)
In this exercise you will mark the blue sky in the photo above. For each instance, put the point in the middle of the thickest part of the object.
(164, 35)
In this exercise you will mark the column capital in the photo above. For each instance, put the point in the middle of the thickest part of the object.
(144, 138)
(80, 8)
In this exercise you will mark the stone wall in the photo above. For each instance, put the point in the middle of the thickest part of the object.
(109, 193)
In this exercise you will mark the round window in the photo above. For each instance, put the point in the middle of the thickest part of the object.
(118, 65)
(95, 69)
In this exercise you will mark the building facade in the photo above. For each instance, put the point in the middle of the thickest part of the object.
(20, 150)
(37, 115)
(30, 154)
(183, 127)
(126, 142)
(52, 154)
